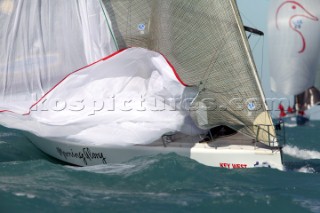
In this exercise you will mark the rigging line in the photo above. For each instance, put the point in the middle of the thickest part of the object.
(244, 16)
(255, 45)
(214, 60)
(262, 59)
(262, 54)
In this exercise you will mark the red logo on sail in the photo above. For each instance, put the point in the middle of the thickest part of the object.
(295, 21)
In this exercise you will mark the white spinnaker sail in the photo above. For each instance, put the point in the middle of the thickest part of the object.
(43, 40)
(132, 97)
(61, 78)
(294, 44)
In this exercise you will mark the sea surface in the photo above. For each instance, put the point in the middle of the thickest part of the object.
(30, 181)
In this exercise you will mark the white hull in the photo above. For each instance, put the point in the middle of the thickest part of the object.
(235, 151)
(314, 113)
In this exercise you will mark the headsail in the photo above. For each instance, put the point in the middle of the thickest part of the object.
(206, 43)
(294, 28)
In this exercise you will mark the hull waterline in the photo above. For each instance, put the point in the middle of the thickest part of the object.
(223, 152)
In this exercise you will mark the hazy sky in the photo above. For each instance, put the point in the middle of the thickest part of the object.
(254, 14)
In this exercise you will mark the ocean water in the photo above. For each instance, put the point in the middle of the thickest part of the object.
(30, 181)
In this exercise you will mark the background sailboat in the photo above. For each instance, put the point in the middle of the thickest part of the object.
(312, 102)
(294, 49)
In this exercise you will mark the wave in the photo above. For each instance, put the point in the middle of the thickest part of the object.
(118, 169)
(303, 154)
(306, 169)
(290, 125)
(7, 134)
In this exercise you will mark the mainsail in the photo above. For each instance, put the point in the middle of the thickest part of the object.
(206, 43)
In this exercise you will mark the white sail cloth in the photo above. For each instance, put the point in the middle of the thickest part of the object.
(132, 97)
(129, 98)
(43, 40)
(294, 28)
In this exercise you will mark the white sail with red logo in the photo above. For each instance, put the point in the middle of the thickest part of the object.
(294, 45)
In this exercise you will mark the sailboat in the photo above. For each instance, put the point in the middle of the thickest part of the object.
(294, 49)
(99, 82)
